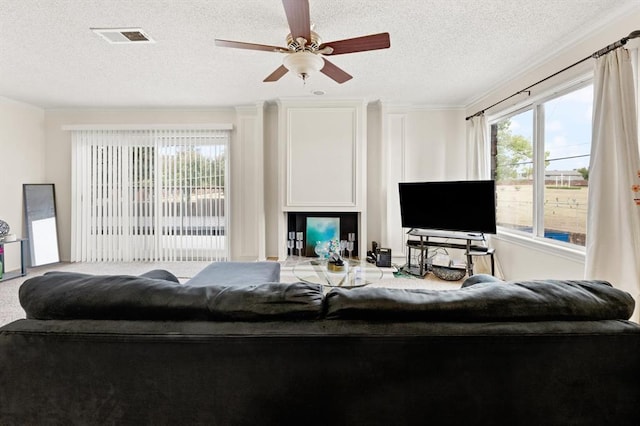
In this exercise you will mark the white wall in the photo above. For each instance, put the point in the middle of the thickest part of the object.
(413, 144)
(436, 138)
(531, 261)
(518, 260)
(22, 160)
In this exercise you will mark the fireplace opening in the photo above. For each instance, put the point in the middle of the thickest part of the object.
(324, 226)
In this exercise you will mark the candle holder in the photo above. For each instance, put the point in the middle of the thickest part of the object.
(299, 242)
(343, 247)
(351, 237)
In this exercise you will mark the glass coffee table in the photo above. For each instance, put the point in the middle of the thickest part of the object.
(356, 273)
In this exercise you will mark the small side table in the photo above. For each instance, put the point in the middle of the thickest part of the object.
(23, 267)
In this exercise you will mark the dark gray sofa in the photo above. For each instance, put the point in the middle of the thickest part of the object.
(123, 350)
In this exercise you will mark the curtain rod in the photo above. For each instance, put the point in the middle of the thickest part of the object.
(603, 51)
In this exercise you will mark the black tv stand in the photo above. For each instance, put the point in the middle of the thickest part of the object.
(473, 244)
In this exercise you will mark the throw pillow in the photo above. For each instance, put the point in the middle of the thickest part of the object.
(480, 278)
(161, 274)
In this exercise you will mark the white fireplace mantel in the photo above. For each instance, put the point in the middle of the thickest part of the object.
(321, 160)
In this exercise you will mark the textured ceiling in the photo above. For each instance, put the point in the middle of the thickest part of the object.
(443, 52)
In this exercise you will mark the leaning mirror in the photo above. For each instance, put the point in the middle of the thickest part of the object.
(40, 220)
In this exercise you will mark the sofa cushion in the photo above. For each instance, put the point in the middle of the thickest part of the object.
(540, 300)
(296, 300)
(66, 295)
(237, 273)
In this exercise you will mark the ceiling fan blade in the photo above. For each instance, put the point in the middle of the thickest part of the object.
(335, 73)
(250, 46)
(277, 74)
(359, 44)
(297, 12)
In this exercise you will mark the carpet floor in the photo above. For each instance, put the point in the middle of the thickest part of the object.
(10, 309)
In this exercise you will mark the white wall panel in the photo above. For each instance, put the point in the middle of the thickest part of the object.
(395, 157)
(273, 210)
(248, 242)
(321, 157)
(376, 181)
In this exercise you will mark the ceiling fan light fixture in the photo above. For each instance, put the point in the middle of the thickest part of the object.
(303, 63)
(305, 50)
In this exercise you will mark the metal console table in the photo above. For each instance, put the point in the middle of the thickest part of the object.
(473, 244)
(23, 267)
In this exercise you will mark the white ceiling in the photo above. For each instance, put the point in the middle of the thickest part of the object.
(443, 52)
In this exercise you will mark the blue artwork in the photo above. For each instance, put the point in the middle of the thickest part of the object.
(321, 229)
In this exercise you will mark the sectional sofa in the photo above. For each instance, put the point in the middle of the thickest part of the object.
(235, 346)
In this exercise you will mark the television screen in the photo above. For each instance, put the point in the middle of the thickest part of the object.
(466, 206)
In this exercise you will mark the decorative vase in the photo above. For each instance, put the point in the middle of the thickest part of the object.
(4, 228)
(322, 249)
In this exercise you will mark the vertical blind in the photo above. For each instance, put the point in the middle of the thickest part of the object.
(149, 195)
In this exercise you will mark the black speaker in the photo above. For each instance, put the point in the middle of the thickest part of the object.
(384, 258)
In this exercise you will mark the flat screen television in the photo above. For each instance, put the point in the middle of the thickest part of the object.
(465, 206)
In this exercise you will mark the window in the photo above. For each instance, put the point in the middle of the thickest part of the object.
(541, 166)
(149, 195)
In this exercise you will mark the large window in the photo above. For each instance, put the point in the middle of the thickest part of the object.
(149, 195)
(541, 166)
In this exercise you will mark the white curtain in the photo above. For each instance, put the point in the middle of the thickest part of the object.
(478, 167)
(613, 222)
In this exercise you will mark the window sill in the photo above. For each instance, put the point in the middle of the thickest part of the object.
(569, 252)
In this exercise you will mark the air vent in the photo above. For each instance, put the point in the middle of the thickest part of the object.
(123, 35)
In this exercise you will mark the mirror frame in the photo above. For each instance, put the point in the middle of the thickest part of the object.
(41, 223)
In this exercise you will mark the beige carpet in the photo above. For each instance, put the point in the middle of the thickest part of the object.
(10, 309)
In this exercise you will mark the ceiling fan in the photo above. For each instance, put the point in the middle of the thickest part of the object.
(305, 51)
